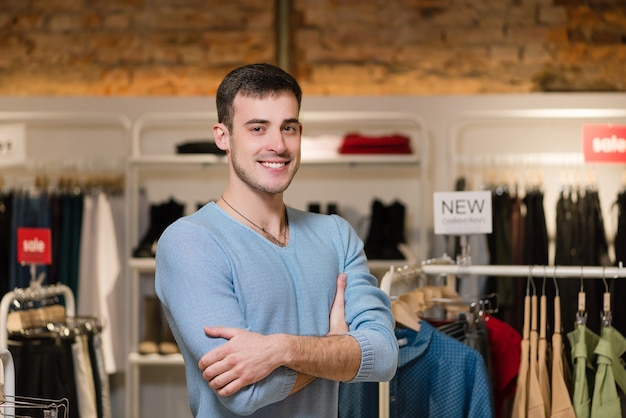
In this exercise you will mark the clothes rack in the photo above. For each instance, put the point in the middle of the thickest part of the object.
(436, 267)
(34, 292)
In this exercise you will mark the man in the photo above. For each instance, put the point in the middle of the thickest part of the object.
(271, 306)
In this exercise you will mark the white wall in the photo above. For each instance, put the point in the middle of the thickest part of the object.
(447, 131)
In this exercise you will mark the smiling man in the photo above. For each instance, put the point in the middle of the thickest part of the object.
(271, 306)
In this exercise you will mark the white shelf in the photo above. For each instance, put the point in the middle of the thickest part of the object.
(156, 359)
(143, 265)
(187, 159)
(210, 159)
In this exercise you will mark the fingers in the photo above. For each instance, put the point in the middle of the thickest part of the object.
(339, 301)
(217, 354)
(223, 379)
(338, 323)
(221, 332)
(217, 368)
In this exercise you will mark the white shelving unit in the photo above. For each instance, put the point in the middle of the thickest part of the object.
(539, 144)
(351, 181)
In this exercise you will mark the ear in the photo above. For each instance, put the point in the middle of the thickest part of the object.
(221, 136)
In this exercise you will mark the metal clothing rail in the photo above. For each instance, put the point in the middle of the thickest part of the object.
(586, 272)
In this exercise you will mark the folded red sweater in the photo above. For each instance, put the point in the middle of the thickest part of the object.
(354, 143)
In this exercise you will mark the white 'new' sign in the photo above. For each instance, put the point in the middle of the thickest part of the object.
(462, 213)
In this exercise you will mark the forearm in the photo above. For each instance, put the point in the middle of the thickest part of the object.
(333, 357)
(302, 381)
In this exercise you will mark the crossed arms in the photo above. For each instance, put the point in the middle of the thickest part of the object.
(248, 357)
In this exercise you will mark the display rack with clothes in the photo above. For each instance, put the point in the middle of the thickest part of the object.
(520, 237)
(56, 357)
(85, 214)
(589, 397)
(55, 202)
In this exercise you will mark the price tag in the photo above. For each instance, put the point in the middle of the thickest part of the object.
(34, 246)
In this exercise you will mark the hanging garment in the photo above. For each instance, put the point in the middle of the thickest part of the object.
(618, 287)
(44, 368)
(504, 343)
(620, 234)
(437, 376)
(85, 383)
(561, 403)
(6, 213)
(69, 250)
(528, 401)
(517, 229)
(605, 401)
(100, 267)
(536, 240)
(583, 341)
(542, 362)
(520, 402)
(617, 344)
(536, 406)
(31, 211)
(580, 240)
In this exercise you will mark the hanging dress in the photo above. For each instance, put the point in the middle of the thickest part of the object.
(561, 402)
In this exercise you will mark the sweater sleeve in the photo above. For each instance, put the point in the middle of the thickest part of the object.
(368, 313)
(194, 283)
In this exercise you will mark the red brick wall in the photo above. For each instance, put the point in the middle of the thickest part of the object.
(335, 47)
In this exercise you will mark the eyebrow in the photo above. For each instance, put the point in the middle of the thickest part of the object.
(264, 121)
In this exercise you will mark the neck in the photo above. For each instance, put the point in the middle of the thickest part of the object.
(279, 238)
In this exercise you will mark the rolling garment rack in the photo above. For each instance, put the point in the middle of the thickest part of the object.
(34, 292)
(463, 269)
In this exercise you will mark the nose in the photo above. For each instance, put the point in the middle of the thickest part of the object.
(276, 141)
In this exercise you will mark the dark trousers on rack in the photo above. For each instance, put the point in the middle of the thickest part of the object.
(44, 369)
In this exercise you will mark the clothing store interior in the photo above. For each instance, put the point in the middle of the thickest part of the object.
(494, 220)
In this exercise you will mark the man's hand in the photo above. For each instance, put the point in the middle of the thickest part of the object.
(245, 359)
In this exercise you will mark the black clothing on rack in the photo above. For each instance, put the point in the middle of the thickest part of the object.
(44, 369)
(580, 240)
(618, 287)
(6, 214)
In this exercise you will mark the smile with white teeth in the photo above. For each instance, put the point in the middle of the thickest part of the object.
(273, 165)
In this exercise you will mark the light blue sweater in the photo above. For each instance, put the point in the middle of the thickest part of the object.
(213, 270)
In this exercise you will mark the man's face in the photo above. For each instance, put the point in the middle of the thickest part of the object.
(265, 141)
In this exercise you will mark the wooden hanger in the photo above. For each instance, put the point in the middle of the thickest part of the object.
(403, 315)
(415, 301)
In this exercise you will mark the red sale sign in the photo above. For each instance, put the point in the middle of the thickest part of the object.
(604, 143)
(34, 246)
